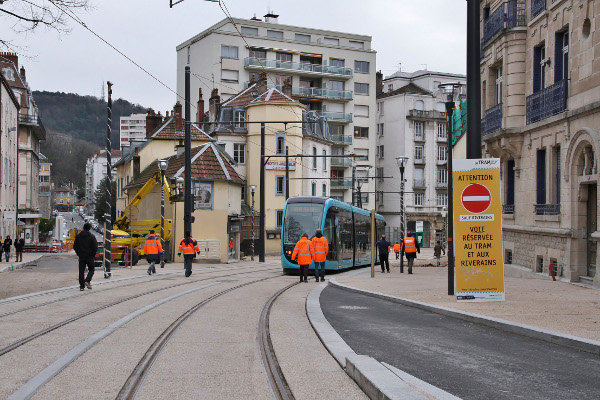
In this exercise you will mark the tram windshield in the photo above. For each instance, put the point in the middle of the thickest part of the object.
(301, 218)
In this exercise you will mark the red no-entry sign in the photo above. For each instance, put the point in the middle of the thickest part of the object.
(476, 198)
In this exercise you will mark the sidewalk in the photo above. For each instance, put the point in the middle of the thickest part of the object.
(28, 258)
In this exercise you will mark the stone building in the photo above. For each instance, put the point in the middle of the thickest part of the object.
(45, 186)
(540, 82)
(9, 112)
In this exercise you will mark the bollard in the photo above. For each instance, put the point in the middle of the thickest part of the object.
(12, 267)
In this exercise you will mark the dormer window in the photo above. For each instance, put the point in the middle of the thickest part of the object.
(239, 118)
(8, 74)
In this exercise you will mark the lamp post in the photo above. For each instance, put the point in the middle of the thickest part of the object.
(162, 166)
(252, 189)
(452, 91)
(401, 164)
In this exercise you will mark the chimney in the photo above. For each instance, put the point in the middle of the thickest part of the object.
(378, 83)
(200, 109)
(261, 85)
(270, 17)
(287, 88)
(12, 57)
(23, 73)
(153, 121)
(214, 105)
(177, 114)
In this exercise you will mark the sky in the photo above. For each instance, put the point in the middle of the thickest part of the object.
(407, 34)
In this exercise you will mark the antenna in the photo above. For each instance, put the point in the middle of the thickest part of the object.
(102, 94)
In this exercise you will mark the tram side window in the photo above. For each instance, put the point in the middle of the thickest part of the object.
(345, 226)
(362, 234)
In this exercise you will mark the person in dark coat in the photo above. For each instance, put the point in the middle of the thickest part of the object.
(1, 248)
(383, 246)
(189, 248)
(6, 246)
(19, 244)
(85, 247)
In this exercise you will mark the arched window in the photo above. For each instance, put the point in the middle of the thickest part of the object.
(419, 105)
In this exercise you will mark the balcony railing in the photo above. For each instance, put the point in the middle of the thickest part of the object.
(341, 139)
(300, 67)
(336, 116)
(508, 208)
(341, 183)
(341, 162)
(321, 92)
(537, 6)
(547, 102)
(426, 114)
(419, 183)
(33, 120)
(508, 15)
(420, 160)
(547, 209)
(441, 185)
(492, 120)
(419, 137)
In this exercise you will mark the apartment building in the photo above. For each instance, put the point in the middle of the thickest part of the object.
(45, 186)
(95, 172)
(9, 114)
(411, 122)
(132, 127)
(330, 73)
(540, 85)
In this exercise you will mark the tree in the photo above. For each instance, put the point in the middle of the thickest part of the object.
(45, 226)
(100, 201)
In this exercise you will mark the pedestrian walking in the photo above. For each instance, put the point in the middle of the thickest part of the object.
(19, 244)
(437, 251)
(411, 248)
(304, 250)
(152, 249)
(189, 248)
(383, 246)
(85, 247)
(397, 250)
(320, 247)
(6, 246)
(1, 248)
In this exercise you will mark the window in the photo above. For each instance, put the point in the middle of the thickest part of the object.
(280, 185)
(361, 88)
(314, 153)
(442, 176)
(239, 153)
(246, 30)
(313, 188)
(361, 132)
(419, 153)
(390, 87)
(364, 198)
(188, 54)
(356, 45)
(255, 53)
(510, 182)
(331, 41)
(336, 130)
(508, 257)
(442, 199)
(274, 34)
(336, 85)
(280, 145)
(442, 152)
(337, 62)
(361, 67)
(379, 173)
(278, 218)
(539, 68)
(361, 154)
(557, 175)
(380, 151)
(229, 76)
(436, 85)
(302, 38)
(380, 129)
(541, 177)
(229, 51)
(336, 107)
(419, 105)
(441, 107)
(239, 118)
(380, 107)
(418, 199)
(561, 56)
(324, 190)
(498, 85)
(283, 57)
(441, 131)
(324, 160)
(418, 130)
(361, 111)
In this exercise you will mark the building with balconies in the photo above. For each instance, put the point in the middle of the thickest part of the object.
(132, 127)
(540, 85)
(330, 73)
(411, 122)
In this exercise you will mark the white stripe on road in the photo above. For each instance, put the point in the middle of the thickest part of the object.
(476, 198)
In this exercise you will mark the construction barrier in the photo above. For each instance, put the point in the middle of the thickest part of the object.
(54, 247)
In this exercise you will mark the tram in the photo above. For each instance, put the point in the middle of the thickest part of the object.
(347, 229)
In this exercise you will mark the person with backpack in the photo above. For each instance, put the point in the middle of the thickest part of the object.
(152, 250)
(320, 247)
(6, 246)
(85, 246)
(189, 248)
(304, 250)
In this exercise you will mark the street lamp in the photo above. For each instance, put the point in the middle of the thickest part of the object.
(252, 189)
(162, 165)
(452, 92)
(401, 164)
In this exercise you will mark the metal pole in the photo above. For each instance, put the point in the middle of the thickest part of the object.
(252, 226)
(353, 178)
(261, 229)
(450, 226)
(108, 210)
(287, 175)
(473, 80)
(187, 203)
(402, 219)
(372, 233)
(162, 217)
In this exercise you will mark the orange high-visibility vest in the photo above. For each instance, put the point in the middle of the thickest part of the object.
(397, 247)
(409, 245)
(190, 248)
(152, 245)
(321, 247)
(304, 250)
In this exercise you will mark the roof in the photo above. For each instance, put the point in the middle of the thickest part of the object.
(410, 88)
(419, 73)
(18, 82)
(208, 163)
(250, 96)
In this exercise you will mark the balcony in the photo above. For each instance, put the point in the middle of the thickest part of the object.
(341, 183)
(321, 93)
(441, 185)
(420, 160)
(419, 137)
(508, 208)
(341, 139)
(341, 162)
(537, 7)
(426, 114)
(547, 102)
(335, 116)
(419, 183)
(509, 15)
(301, 68)
(547, 209)
(492, 119)
(441, 162)
(34, 121)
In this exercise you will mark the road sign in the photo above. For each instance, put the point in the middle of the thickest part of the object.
(476, 198)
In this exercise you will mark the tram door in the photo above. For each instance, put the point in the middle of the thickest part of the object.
(332, 234)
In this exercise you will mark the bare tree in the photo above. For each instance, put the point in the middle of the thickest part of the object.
(23, 16)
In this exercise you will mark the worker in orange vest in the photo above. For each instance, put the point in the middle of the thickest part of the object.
(189, 248)
(231, 247)
(411, 248)
(321, 248)
(152, 249)
(304, 250)
(397, 250)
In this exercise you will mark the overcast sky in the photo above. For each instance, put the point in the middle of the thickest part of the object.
(414, 34)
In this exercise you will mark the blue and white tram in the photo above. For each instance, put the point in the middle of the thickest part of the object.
(347, 229)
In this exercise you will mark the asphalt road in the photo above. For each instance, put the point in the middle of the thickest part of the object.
(467, 360)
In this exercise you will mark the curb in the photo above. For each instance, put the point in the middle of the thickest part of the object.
(561, 339)
(24, 264)
(376, 380)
